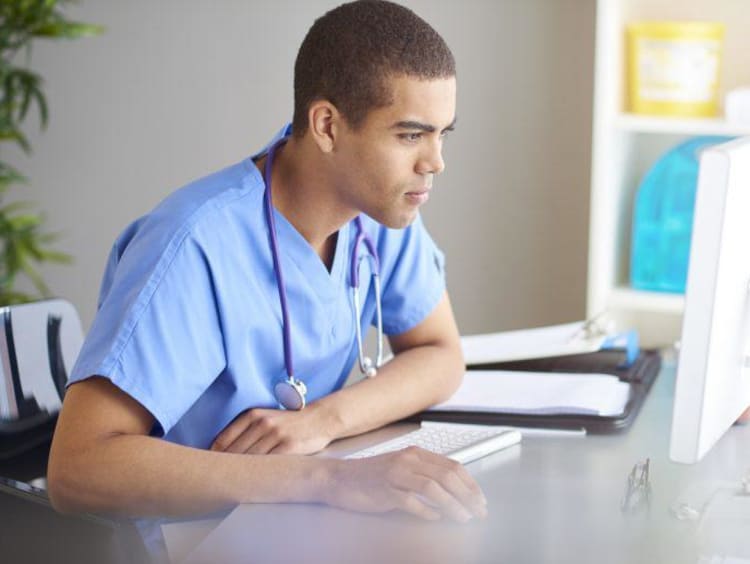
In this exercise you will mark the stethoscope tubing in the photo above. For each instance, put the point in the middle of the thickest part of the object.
(291, 393)
(288, 359)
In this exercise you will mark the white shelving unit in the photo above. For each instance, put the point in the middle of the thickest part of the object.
(626, 145)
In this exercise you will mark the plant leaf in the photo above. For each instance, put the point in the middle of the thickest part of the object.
(23, 242)
(35, 277)
(67, 30)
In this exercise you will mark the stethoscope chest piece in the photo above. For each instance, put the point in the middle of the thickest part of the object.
(290, 393)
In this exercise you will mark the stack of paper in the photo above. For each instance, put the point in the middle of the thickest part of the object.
(555, 340)
(539, 393)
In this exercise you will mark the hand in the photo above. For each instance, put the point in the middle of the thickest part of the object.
(274, 431)
(413, 480)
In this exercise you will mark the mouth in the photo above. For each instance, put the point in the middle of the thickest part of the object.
(418, 197)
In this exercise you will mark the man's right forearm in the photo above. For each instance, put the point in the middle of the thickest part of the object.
(137, 475)
(103, 461)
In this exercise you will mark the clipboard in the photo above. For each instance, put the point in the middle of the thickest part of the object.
(575, 338)
(540, 342)
(640, 376)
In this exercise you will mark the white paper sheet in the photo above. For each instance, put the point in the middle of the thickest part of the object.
(554, 340)
(539, 393)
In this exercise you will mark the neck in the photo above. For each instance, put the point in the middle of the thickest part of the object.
(302, 193)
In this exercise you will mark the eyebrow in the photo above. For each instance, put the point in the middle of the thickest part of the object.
(427, 128)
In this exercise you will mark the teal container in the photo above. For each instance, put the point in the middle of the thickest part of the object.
(663, 218)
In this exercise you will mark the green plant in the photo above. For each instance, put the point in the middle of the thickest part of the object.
(23, 242)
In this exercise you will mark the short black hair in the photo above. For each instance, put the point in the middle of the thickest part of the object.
(350, 52)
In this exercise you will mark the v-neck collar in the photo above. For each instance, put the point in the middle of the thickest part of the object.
(327, 284)
(292, 244)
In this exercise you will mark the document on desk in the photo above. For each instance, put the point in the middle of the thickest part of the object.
(539, 393)
(554, 340)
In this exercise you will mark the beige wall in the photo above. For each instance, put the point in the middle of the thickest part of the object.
(177, 88)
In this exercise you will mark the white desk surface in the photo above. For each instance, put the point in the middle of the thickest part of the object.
(551, 499)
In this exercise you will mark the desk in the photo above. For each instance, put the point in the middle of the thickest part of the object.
(551, 499)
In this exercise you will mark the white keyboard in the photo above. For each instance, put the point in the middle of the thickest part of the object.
(462, 443)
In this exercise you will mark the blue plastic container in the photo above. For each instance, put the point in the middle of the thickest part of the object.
(663, 218)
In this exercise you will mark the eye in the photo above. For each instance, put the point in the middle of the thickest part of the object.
(410, 137)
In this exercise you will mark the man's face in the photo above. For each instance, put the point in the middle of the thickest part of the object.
(386, 166)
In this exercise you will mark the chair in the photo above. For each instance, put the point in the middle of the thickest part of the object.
(39, 342)
(32, 532)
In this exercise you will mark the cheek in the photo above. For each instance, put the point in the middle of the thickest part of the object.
(396, 169)
(382, 173)
(354, 172)
(377, 173)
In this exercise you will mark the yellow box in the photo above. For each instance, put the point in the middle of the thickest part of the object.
(673, 68)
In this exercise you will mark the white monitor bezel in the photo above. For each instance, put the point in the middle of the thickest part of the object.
(713, 381)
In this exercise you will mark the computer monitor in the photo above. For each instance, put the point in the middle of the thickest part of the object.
(713, 370)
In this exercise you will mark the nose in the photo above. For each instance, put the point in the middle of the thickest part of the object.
(431, 161)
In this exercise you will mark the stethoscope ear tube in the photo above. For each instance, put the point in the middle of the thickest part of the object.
(366, 365)
(379, 315)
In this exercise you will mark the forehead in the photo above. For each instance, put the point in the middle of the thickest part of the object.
(430, 102)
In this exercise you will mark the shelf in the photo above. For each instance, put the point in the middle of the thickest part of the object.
(657, 302)
(626, 145)
(685, 126)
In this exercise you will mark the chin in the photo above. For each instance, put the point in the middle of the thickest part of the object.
(400, 221)
(394, 217)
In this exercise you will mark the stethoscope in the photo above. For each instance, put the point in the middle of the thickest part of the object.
(291, 392)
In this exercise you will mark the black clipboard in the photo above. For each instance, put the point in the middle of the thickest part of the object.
(640, 375)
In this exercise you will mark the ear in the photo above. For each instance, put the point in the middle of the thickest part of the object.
(325, 123)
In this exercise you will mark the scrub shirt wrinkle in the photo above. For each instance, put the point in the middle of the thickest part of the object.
(189, 321)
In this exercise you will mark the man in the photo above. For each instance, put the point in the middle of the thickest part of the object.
(173, 406)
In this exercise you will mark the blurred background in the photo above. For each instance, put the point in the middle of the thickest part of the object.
(175, 89)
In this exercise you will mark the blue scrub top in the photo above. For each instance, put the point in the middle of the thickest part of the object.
(189, 320)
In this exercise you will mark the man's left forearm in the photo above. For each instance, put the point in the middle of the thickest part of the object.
(427, 368)
(412, 381)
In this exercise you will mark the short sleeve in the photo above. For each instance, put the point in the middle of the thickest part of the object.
(157, 334)
(413, 277)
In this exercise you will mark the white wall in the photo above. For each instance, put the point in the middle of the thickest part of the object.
(177, 88)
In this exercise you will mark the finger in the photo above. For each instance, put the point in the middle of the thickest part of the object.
(449, 480)
(233, 431)
(411, 503)
(256, 428)
(432, 493)
(459, 469)
(265, 444)
(284, 446)
(247, 440)
(455, 480)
